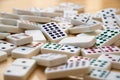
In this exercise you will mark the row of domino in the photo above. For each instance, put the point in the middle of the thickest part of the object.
(88, 68)
(26, 32)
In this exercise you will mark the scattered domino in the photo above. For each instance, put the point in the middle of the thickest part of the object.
(72, 68)
(20, 39)
(53, 32)
(3, 56)
(9, 16)
(97, 74)
(65, 26)
(72, 44)
(89, 26)
(114, 59)
(36, 18)
(50, 59)
(79, 19)
(100, 64)
(20, 69)
(95, 52)
(6, 46)
(78, 58)
(110, 50)
(107, 37)
(118, 19)
(24, 24)
(9, 25)
(113, 76)
(91, 52)
(3, 35)
(81, 41)
(61, 49)
(37, 35)
(27, 51)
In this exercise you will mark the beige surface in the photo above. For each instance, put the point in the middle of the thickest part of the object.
(90, 6)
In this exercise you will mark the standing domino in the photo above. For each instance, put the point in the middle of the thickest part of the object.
(37, 35)
(53, 32)
(20, 39)
(3, 56)
(72, 68)
(27, 51)
(20, 69)
(50, 59)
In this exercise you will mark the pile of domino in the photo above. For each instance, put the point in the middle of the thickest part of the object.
(64, 39)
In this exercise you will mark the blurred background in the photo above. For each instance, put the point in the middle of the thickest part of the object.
(90, 5)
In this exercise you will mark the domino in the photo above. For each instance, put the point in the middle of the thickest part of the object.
(20, 39)
(113, 76)
(70, 13)
(27, 51)
(22, 12)
(51, 14)
(118, 19)
(50, 59)
(70, 50)
(110, 22)
(79, 19)
(100, 64)
(3, 56)
(108, 12)
(65, 26)
(114, 59)
(97, 51)
(61, 49)
(76, 7)
(73, 68)
(78, 58)
(97, 74)
(91, 52)
(97, 16)
(9, 16)
(110, 50)
(81, 41)
(37, 35)
(3, 35)
(9, 26)
(50, 48)
(27, 25)
(107, 37)
(7, 47)
(35, 18)
(53, 32)
(89, 26)
(61, 20)
(20, 69)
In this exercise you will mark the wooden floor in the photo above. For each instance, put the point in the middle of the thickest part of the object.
(90, 6)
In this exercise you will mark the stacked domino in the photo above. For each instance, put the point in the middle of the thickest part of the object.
(68, 42)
